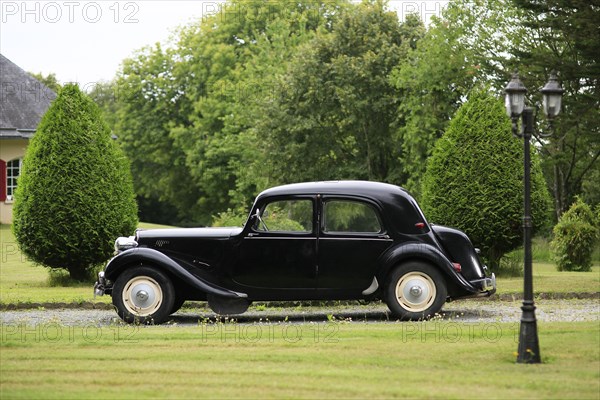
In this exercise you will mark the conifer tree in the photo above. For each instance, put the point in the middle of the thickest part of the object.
(75, 193)
(474, 179)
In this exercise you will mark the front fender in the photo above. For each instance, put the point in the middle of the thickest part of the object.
(145, 255)
(425, 252)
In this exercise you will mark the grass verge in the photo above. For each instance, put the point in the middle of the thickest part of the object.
(435, 359)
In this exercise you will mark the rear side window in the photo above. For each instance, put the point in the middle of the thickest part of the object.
(347, 216)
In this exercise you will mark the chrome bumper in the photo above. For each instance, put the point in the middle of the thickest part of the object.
(100, 285)
(487, 285)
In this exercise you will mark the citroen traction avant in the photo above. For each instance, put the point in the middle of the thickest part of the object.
(339, 240)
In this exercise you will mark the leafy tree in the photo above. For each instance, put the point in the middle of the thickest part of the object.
(157, 202)
(233, 57)
(332, 116)
(149, 102)
(105, 95)
(565, 36)
(575, 236)
(265, 93)
(260, 80)
(49, 81)
(230, 217)
(75, 194)
(474, 182)
(484, 41)
(184, 112)
(590, 189)
(464, 48)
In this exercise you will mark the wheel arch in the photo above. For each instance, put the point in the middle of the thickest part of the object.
(415, 291)
(145, 294)
(424, 253)
(162, 262)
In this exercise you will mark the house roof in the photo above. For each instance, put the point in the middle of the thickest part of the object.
(23, 101)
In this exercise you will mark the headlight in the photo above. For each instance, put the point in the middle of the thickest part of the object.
(125, 243)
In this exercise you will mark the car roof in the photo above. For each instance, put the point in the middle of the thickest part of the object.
(359, 188)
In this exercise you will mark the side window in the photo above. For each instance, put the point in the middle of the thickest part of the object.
(350, 217)
(286, 216)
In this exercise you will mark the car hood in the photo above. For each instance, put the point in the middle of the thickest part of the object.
(187, 233)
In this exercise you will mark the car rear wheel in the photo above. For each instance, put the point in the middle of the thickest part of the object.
(415, 291)
(143, 295)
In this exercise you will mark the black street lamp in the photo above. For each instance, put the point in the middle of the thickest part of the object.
(529, 348)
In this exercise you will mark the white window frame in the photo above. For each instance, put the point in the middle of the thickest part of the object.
(12, 176)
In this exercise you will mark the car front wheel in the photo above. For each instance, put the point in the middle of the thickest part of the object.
(143, 295)
(415, 291)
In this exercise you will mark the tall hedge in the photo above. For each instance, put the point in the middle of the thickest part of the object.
(75, 192)
(474, 179)
(575, 237)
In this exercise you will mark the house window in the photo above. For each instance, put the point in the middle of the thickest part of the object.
(13, 170)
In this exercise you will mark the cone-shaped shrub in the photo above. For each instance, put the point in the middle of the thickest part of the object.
(474, 179)
(75, 193)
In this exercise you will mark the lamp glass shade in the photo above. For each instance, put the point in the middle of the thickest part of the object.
(514, 101)
(552, 104)
(552, 93)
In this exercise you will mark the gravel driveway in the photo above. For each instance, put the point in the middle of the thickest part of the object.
(465, 310)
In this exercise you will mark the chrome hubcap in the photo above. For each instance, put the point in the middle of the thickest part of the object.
(142, 296)
(415, 291)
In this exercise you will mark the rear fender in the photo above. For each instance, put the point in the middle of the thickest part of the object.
(425, 252)
(142, 255)
(459, 247)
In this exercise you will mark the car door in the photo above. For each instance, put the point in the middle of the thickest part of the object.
(279, 249)
(351, 239)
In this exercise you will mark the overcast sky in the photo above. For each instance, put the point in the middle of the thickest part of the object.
(85, 41)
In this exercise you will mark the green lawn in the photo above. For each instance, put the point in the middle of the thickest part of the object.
(436, 359)
(23, 282)
(546, 279)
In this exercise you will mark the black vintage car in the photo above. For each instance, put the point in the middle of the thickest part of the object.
(308, 241)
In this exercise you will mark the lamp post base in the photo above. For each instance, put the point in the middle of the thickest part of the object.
(529, 346)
